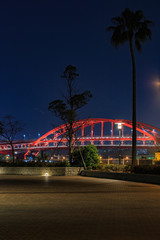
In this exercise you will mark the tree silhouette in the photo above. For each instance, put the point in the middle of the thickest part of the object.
(66, 108)
(9, 128)
(131, 27)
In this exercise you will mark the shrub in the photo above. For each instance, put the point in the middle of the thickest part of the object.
(147, 169)
(89, 168)
(113, 168)
(64, 163)
(90, 155)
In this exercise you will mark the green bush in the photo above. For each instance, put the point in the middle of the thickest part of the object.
(89, 168)
(90, 155)
(101, 167)
(113, 168)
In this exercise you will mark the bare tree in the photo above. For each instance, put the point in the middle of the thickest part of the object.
(9, 128)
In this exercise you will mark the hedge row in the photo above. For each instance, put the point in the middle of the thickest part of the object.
(112, 168)
(147, 169)
(35, 164)
(142, 169)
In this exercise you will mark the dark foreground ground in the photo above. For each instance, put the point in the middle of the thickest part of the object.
(77, 208)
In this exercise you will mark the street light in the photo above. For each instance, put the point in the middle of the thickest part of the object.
(120, 133)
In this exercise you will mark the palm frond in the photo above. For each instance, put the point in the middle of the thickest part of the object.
(110, 28)
(139, 16)
(143, 33)
(117, 20)
(130, 24)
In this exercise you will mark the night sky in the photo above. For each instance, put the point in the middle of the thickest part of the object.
(40, 38)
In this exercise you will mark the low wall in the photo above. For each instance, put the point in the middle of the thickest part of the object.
(143, 178)
(51, 171)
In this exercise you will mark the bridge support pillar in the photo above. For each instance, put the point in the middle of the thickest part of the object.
(92, 133)
(101, 129)
(111, 133)
(82, 131)
(82, 134)
(102, 133)
(92, 130)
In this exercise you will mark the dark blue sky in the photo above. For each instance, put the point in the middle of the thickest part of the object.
(38, 39)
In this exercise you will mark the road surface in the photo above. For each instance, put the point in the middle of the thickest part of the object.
(77, 208)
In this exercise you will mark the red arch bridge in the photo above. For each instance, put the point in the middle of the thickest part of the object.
(101, 132)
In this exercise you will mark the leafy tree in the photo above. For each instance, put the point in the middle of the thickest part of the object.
(131, 27)
(90, 156)
(9, 129)
(66, 108)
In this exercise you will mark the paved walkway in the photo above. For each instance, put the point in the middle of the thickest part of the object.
(77, 208)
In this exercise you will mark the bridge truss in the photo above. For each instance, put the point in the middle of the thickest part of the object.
(98, 131)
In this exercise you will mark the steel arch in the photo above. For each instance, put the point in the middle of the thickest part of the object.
(147, 130)
(54, 137)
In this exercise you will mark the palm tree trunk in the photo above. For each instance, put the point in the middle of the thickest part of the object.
(134, 137)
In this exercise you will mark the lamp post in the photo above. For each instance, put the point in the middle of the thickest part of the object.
(120, 133)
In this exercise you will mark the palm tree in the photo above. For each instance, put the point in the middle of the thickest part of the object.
(131, 27)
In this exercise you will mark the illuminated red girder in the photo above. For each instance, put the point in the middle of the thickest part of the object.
(57, 136)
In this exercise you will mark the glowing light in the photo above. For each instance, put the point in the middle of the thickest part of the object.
(157, 82)
(119, 125)
(46, 174)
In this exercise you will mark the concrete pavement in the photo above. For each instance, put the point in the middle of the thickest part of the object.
(79, 208)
